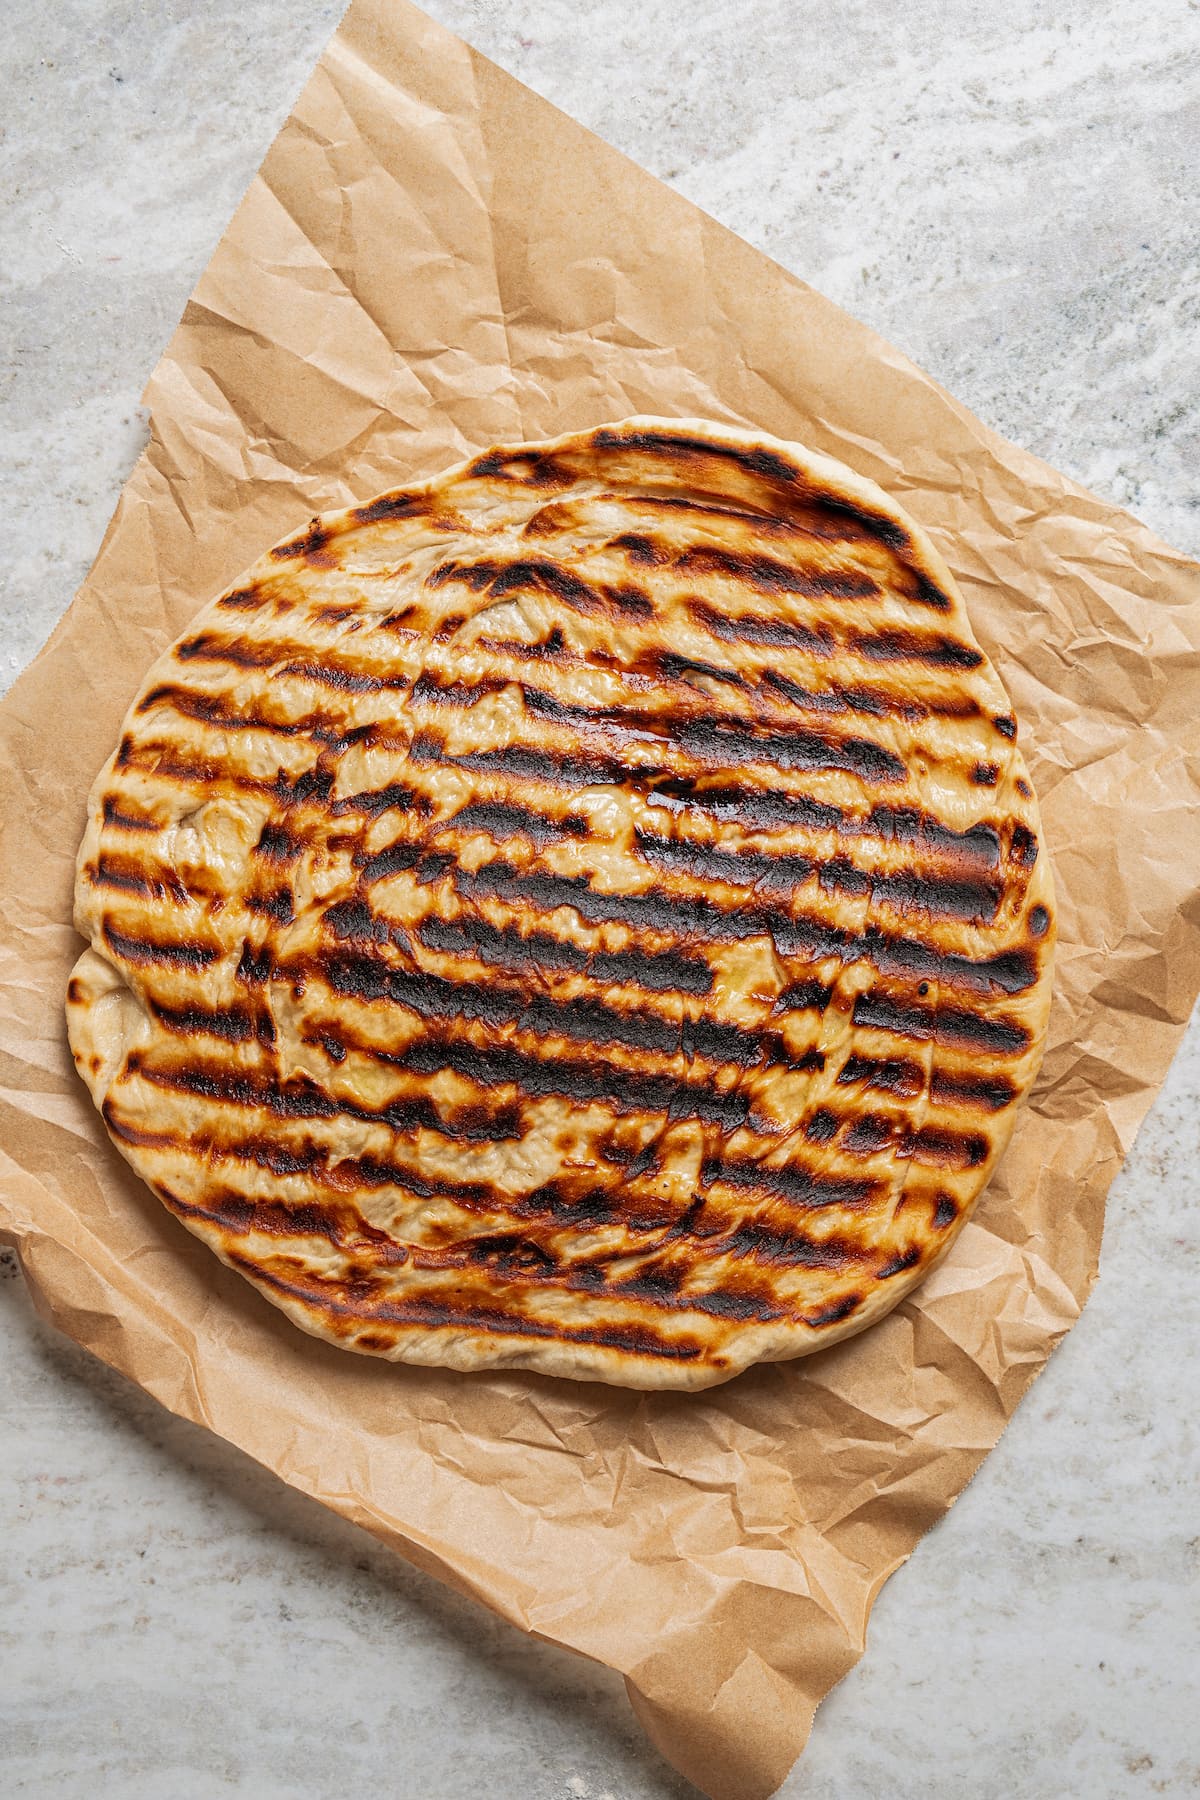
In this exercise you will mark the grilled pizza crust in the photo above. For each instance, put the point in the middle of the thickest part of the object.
(581, 913)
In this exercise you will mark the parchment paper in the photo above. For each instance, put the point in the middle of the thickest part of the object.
(431, 259)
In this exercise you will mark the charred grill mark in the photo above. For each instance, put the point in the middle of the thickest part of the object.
(142, 951)
(287, 659)
(366, 977)
(310, 542)
(949, 1026)
(698, 917)
(531, 468)
(804, 996)
(874, 703)
(991, 1092)
(948, 1149)
(302, 1098)
(243, 599)
(242, 653)
(764, 808)
(121, 876)
(120, 818)
(1039, 921)
(234, 1024)
(764, 629)
(761, 1241)
(985, 774)
(559, 768)
(501, 819)
(225, 714)
(766, 464)
(928, 593)
(341, 1226)
(352, 921)
(835, 1312)
(870, 1134)
(904, 890)
(768, 575)
(550, 649)
(771, 524)
(640, 548)
(673, 667)
(933, 652)
(726, 739)
(945, 1212)
(349, 1173)
(278, 904)
(884, 1075)
(255, 965)
(430, 690)
(309, 787)
(540, 575)
(897, 1264)
(396, 859)
(127, 1133)
(276, 844)
(461, 1314)
(580, 1081)
(166, 763)
(659, 1285)
(396, 797)
(806, 1189)
(661, 972)
(400, 505)
(1023, 846)
(344, 678)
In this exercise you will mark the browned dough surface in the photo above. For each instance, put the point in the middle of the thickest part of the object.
(582, 913)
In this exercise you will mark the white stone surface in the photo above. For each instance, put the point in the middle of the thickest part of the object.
(1008, 192)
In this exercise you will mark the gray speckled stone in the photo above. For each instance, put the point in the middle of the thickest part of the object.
(1010, 197)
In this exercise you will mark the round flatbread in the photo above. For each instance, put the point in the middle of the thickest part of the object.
(583, 913)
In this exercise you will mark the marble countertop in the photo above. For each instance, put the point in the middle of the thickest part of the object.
(1008, 193)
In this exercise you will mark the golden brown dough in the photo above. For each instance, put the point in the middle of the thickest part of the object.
(581, 913)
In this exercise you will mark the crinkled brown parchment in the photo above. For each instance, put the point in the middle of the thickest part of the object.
(431, 259)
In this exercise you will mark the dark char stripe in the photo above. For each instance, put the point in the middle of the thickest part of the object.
(235, 1024)
(768, 575)
(501, 819)
(721, 739)
(581, 1082)
(141, 950)
(666, 971)
(510, 1254)
(121, 819)
(288, 659)
(461, 1315)
(158, 883)
(905, 890)
(303, 1099)
(541, 575)
(949, 1026)
(931, 650)
(684, 916)
(991, 1092)
(726, 739)
(800, 1187)
(362, 976)
(936, 652)
(754, 807)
